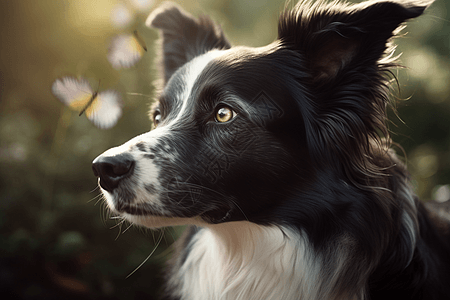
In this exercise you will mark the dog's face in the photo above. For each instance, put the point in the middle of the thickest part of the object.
(219, 144)
(239, 131)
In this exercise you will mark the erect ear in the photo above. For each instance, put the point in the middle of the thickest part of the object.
(341, 49)
(183, 36)
(334, 37)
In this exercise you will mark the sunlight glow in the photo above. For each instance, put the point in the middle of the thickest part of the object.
(121, 16)
(442, 193)
(142, 5)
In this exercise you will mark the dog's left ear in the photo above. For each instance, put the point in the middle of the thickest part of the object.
(342, 52)
(183, 36)
(333, 37)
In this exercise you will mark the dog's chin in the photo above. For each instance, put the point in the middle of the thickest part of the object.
(143, 215)
(158, 221)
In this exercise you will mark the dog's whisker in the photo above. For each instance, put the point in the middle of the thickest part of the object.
(98, 198)
(192, 185)
(165, 235)
(139, 94)
(120, 229)
(118, 224)
(131, 225)
(148, 257)
(103, 212)
(94, 189)
(237, 205)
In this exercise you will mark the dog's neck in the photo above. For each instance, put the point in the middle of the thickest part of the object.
(242, 260)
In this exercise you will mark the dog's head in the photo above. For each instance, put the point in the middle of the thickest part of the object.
(240, 131)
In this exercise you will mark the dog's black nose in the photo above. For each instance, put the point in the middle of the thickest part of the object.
(112, 169)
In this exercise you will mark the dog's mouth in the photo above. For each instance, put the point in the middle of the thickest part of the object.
(140, 209)
(121, 202)
(147, 207)
(136, 212)
(178, 198)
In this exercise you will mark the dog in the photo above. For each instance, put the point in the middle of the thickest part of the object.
(279, 161)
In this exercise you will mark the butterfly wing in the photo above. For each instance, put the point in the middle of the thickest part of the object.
(105, 110)
(75, 93)
(140, 40)
(125, 50)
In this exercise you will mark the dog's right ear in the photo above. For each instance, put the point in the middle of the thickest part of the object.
(183, 36)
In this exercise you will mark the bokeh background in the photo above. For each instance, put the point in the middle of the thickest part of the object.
(56, 239)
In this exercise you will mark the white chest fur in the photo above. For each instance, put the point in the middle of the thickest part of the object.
(245, 261)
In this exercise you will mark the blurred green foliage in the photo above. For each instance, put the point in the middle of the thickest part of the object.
(56, 238)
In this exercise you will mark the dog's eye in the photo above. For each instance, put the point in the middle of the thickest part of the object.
(224, 114)
(156, 118)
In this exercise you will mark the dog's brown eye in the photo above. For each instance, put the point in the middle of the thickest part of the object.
(224, 114)
(156, 118)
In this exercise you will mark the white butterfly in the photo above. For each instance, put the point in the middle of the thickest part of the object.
(126, 50)
(103, 109)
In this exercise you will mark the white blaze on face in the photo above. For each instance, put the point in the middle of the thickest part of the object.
(193, 69)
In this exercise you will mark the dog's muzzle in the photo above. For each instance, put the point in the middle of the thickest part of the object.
(112, 169)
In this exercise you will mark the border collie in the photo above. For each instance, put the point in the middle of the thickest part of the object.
(278, 159)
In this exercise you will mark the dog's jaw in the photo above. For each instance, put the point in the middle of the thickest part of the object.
(159, 222)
